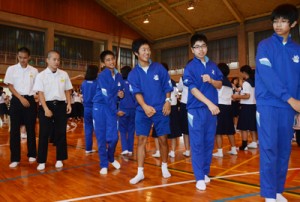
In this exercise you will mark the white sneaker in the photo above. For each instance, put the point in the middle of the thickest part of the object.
(206, 179)
(201, 185)
(13, 164)
(252, 145)
(172, 154)
(217, 154)
(124, 152)
(31, 159)
(156, 154)
(90, 151)
(41, 166)
(59, 164)
(270, 200)
(232, 152)
(280, 198)
(23, 135)
(187, 153)
(116, 164)
(103, 171)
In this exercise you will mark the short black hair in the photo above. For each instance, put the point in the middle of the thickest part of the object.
(51, 52)
(136, 44)
(105, 53)
(165, 65)
(223, 67)
(286, 11)
(125, 71)
(24, 50)
(91, 72)
(198, 37)
(247, 69)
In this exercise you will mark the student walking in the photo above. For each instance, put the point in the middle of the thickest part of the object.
(278, 100)
(203, 78)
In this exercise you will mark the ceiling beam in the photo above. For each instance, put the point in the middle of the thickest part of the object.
(234, 11)
(137, 29)
(106, 6)
(128, 22)
(176, 16)
(147, 4)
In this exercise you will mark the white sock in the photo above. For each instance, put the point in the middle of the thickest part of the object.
(138, 177)
(103, 171)
(206, 179)
(201, 185)
(280, 198)
(220, 151)
(233, 148)
(164, 170)
(141, 170)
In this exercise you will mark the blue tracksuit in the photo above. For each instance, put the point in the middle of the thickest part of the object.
(126, 122)
(105, 114)
(277, 80)
(153, 85)
(88, 89)
(202, 124)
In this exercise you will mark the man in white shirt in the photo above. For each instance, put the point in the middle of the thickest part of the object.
(53, 86)
(20, 79)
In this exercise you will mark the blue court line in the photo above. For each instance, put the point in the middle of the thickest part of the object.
(254, 194)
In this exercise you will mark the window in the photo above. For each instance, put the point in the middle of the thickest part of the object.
(223, 50)
(13, 38)
(176, 58)
(125, 57)
(115, 51)
(259, 36)
(73, 48)
(76, 53)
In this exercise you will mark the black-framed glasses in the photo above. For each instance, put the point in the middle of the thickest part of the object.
(204, 46)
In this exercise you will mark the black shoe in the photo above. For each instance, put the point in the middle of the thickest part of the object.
(243, 148)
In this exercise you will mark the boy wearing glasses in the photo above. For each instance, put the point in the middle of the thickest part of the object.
(203, 78)
(277, 99)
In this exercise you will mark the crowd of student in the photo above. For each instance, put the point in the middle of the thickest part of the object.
(144, 99)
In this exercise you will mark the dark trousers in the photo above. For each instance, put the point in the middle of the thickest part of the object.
(298, 137)
(22, 115)
(56, 123)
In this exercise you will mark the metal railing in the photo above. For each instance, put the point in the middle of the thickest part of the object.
(39, 61)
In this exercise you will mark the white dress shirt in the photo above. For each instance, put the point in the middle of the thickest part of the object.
(248, 89)
(53, 85)
(224, 95)
(21, 78)
(184, 91)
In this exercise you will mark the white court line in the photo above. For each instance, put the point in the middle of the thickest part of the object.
(2, 145)
(159, 186)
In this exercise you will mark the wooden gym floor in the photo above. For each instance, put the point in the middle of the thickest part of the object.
(234, 178)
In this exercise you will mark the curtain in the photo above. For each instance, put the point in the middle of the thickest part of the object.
(223, 50)
(176, 58)
(13, 38)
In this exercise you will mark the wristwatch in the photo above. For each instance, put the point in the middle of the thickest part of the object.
(168, 100)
